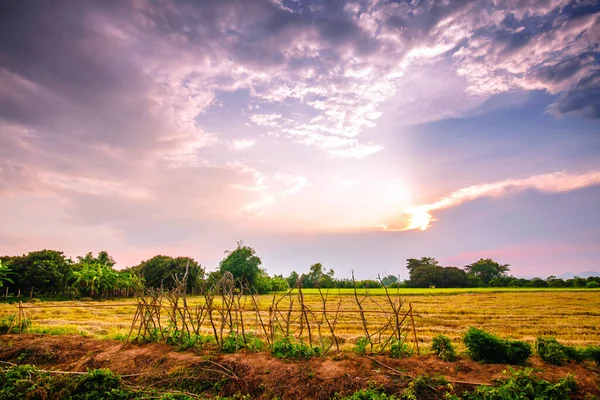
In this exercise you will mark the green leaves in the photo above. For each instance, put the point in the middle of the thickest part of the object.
(4, 273)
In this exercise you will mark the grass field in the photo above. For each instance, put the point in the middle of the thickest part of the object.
(572, 316)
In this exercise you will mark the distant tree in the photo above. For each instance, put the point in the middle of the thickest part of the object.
(103, 259)
(243, 264)
(389, 280)
(164, 271)
(414, 263)
(438, 276)
(44, 271)
(538, 282)
(317, 277)
(292, 280)
(576, 282)
(555, 282)
(487, 269)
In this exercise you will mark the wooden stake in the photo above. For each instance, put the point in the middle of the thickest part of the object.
(412, 320)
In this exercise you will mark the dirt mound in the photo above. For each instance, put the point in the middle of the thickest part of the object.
(260, 374)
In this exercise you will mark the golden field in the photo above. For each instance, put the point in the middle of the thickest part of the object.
(570, 316)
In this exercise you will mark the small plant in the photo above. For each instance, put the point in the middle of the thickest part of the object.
(285, 348)
(400, 349)
(443, 347)
(11, 320)
(423, 387)
(360, 347)
(368, 394)
(488, 348)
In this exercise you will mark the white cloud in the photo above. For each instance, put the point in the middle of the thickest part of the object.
(241, 144)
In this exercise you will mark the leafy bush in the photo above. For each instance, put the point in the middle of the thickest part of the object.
(400, 349)
(235, 342)
(522, 385)
(488, 348)
(593, 353)
(553, 352)
(443, 347)
(360, 347)
(285, 348)
(25, 381)
(99, 384)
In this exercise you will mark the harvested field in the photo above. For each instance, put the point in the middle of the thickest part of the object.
(571, 316)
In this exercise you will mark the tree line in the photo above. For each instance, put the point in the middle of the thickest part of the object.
(51, 273)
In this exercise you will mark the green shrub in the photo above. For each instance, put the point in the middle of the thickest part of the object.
(235, 342)
(99, 384)
(360, 347)
(522, 385)
(285, 348)
(550, 350)
(443, 347)
(400, 349)
(488, 348)
(593, 353)
(553, 352)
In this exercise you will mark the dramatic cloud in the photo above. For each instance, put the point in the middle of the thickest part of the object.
(421, 218)
(173, 120)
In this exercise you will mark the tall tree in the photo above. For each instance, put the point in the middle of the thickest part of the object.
(164, 271)
(414, 263)
(317, 277)
(46, 271)
(243, 264)
(487, 269)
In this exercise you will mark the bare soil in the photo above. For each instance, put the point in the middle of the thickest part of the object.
(260, 374)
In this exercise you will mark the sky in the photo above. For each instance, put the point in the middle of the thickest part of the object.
(356, 134)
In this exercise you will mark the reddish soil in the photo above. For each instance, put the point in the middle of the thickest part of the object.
(260, 374)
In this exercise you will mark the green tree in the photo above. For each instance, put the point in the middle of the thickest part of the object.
(317, 277)
(103, 259)
(4, 274)
(45, 271)
(487, 269)
(163, 271)
(292, 280)
(414, 263)
(389, 280)
(243, 264)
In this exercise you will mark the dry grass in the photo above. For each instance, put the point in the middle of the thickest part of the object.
(570, 316)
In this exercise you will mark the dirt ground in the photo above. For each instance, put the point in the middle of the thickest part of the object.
(260, 374)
